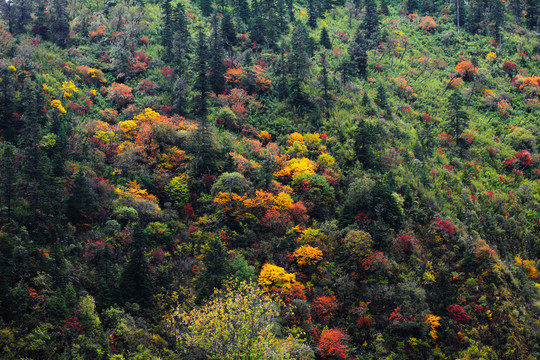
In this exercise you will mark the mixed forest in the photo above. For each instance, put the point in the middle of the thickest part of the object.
(269, 179)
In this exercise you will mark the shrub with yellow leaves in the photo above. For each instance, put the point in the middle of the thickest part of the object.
(308, 255)
(295, 167)
(275, 278)
(433, 323)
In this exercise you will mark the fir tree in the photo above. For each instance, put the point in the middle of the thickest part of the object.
(381, 100)
(228, 31)
(216, 56)
(181, 39)
(59, 26)
(298, 64)
(532, 7)
(370, 24)
(358, 54)
(201, 85)
(206, 7)
(167, 31)
(325, 39)
(458, 118)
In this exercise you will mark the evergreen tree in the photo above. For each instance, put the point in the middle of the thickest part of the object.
(82, 202)
(216, 56)
(243, 10)
(325, 39)
(312, 14)
(206, 7)
(215, 270)
(475, 16)
(181, 39)
(412, 6)
(381, 100)
(358, 54)
(370, 24)
(497, 19)
(167, 31)
(298, 63)
(201, 85)
(8, 178)
(135, 283)
(228, 31)
(59, 26)
(458, 118)
(532, 7)
(179, 96)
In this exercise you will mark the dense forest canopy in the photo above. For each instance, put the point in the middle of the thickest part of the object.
(269, 179)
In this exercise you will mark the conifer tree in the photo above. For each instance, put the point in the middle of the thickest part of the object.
(181, 39)
(532, 7)
(228, 31)
(358, 54)
(216, 56)
(167, 31)
(497, 19)
(59, 26)
(298, 66)
(370, 24)
(243, 10)
(458, 118)
(206, 7)
(325, 39)
(135, 284)
(325, 83)
(8, 177)
(201, 85)
(381, 100)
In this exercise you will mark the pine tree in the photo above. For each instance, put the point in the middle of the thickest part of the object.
(312, 14)
(216, 56)
(358, 54)
(179, 96)
(475, 16)
(135, 284)
(412, 6)
(325, 39)
(384, 8)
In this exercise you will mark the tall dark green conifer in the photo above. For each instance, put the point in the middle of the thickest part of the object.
(299, 66)
(59, 25)
(532, 7)
(228, 31)
(370, 24)
(325, 39)
(181, 39)
(457, 117)
(8, 178)
(167, 31)
(206, 7)
(358, 53)
(216, 56)
(201, 85)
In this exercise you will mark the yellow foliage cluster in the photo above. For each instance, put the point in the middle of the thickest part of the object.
(295, 137)
(275, 278)
(264, 136)
(282, 202)
(296, 167)
(147, 115)
(491, 55)
(57, 104)
(128, 128)
(433, 323)
(529, 265)
(308, 255)
(134, 191)
(69, 88)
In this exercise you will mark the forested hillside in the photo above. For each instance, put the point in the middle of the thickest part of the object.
(269, 179)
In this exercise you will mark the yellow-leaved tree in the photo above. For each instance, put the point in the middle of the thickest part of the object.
(273, 277)
(308, 255)
(238, 322)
